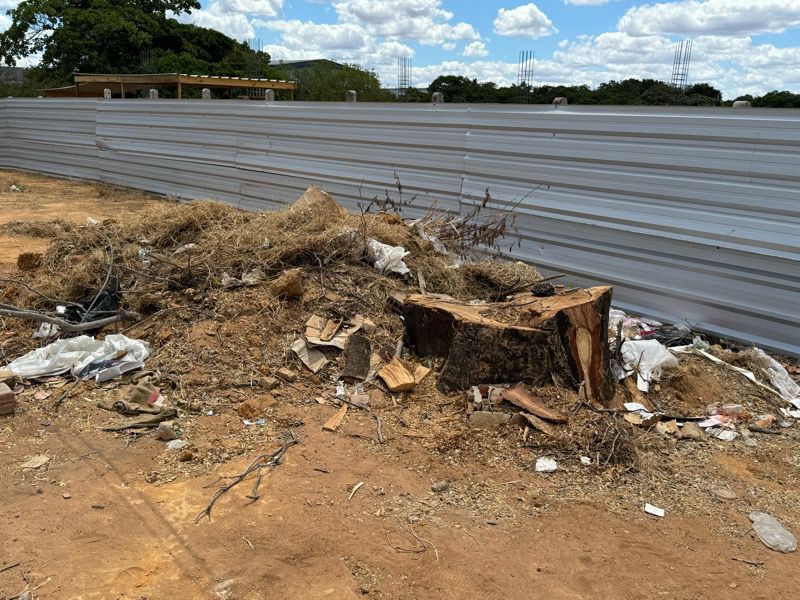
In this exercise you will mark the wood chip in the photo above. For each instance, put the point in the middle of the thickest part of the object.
(330, 329)
(355, 489)
(520, 397)
(396, 376)
(421, 373)
(335, 421)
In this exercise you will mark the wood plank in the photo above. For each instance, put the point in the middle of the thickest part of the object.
(396, 376)
(520, 397)
(335, 421)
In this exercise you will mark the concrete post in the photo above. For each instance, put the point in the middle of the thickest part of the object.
(351, 96)
(107, 94)
(560, 101)
(437, 98)
(153, 94)
(269, 95)
(742, 104)
(206, 94)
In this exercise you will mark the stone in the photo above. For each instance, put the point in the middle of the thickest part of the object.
(255, 406)
(286, 374)
(724, 494)
(692, 431)
(165, 432)
(483, 419)
(440, 486)
(289, 284)
(269, 383)
(186, 456)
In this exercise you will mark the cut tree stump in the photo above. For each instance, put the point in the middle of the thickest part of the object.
(531, 339)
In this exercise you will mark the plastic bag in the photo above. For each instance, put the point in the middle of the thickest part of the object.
(388, 259)
(75, 354)
(647, 358)
(774, 535)
(777, 375)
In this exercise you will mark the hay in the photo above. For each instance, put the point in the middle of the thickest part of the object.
(152, 261)
(37, 229)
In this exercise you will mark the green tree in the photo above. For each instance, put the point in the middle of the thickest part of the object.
(111, 36)
(776, 99)
(328, 81)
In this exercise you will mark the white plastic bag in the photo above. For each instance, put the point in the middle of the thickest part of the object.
(777, 375)
(647, 358)
(388, 259)
(74, 354)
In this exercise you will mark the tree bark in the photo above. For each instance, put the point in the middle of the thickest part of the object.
(528, 339)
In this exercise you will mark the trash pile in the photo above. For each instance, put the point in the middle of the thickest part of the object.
(194, 310)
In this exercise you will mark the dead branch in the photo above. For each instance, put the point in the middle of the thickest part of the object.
(66, 326)
(378, 422)
(263, 461)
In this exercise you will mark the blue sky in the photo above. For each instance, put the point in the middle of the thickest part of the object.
(741, 46)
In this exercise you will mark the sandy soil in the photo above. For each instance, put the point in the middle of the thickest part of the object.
(110, 516)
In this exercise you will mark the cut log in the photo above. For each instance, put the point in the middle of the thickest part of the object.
(519, 397)
(356, 358)
(396, 376)
(530, 339)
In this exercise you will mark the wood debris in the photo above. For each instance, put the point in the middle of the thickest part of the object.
(397, 377)
(520, 397)
(335, 421)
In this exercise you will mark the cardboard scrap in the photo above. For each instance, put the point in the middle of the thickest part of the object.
(315, 326)
(330, 329)
(311, 357)
(396, 376)
(333, 423)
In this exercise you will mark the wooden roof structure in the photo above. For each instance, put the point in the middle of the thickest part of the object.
(91, 85)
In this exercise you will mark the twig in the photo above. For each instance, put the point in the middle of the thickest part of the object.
(249, 543)
(7, 567)
(754, 563)
(378, 422)
(165, 310)
(66, 326)
(41, 295)
(268, 461)
(65, 394)
(108, 276)
(356, 487)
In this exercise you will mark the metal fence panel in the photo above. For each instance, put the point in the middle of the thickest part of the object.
(692, 214)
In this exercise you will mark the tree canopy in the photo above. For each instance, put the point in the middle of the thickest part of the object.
(121, 36)
(327, 81)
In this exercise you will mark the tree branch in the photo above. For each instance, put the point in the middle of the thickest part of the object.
(66, 326)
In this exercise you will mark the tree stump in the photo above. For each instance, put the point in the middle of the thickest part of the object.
(527, 339)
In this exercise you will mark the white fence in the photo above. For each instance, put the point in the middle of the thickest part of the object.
(692, 214)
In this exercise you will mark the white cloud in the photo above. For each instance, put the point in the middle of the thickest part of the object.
(236, 25)
(523, 21)
(265, 8)
(476, 48)
(320, 36)
(586, 2)
(449, 46)
(712, 17)
(422, 20)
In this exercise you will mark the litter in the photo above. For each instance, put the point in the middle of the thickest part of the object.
(105, 359)
(585, 460)
(310, 357)
(259, 422)
(647, 358)
(726, 435)
(774, 535)
(177, 444)
(545, 464)
(315, 326)
(46, 331)
(388, 259)
(654, 510)
(777, 375)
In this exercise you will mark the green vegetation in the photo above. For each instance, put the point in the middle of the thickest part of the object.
(120, 36)
(327, 81)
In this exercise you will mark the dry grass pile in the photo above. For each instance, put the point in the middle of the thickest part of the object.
(171, 248)
(37, 229)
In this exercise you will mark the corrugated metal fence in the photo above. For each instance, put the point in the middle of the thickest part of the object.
(692, 214)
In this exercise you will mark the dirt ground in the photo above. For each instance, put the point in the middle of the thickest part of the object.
(112, 515)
